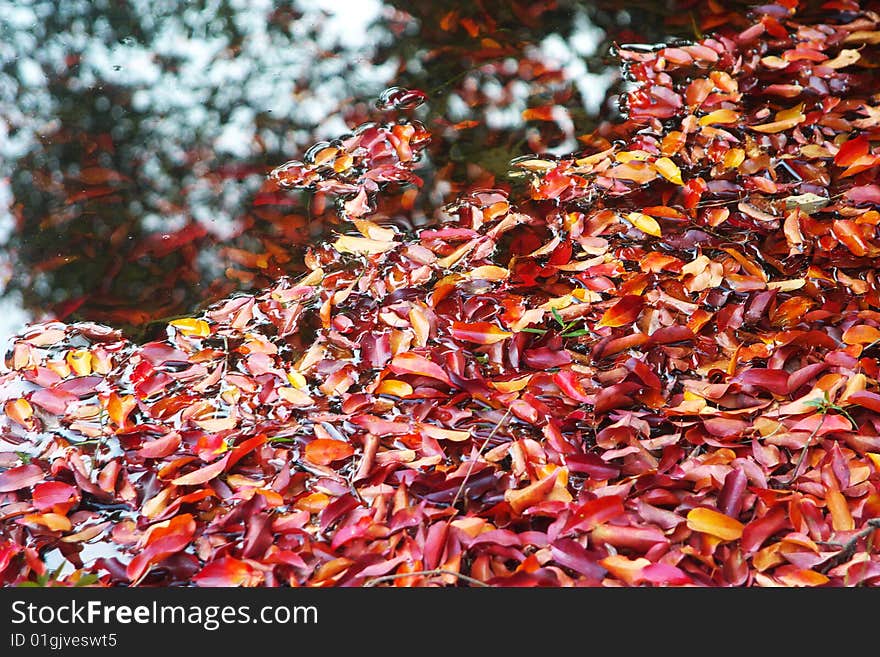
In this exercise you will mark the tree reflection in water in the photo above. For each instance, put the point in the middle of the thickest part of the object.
(136, 136)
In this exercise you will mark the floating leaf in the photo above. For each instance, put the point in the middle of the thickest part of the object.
(193, 327)
(624, 312)
(669, 170)
(479, 332)
(644, 223)
(23, 476)
(410, 363)
(203, 475)
(362, 245)
(325, 451)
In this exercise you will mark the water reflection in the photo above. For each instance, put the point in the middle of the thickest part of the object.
(135, 137)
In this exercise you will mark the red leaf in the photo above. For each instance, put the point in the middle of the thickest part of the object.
(851, 151)
(203, 475)
(51, 494)
(160, 447)
(593, 513)
(823, 424)
(228, 571)
(410, 363)
(53, 400)
(23, 476)
(759, 530)
(866, 399)
(161, 541)
(774, 381)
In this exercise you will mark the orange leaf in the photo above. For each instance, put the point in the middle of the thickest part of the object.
(861, 334)
(623, 312)
(19, 411)
(543, 113)
(161, 541)
(841, 518)
(323, 451)
(54, 522)
(522, 499)
(714, 523)
(628, 570)
(394, 388)
(850, 235)
(793, 576)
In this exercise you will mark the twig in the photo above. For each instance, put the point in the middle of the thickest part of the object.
(849, 548)
(794, 475)
(425, 573)
(474, 461)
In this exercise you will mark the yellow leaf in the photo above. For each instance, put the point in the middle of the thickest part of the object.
(714, 523)
(815, 151)
(80, 361)
(787, 286)
(844, 58)
(629, 156)
(669, 170)
(374, 231)
(719, 116)
(784, 120)
(394, 388)
(488, 273)
(192, 327)
(734, 157)
(362, 245)
(514, 385)
(644, 223)
(296, 379)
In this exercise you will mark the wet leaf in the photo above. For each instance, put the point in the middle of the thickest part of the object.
(23, 476)
(644, 223)
(479, 332)
(325, 451)
(228, 572)
(624, 312)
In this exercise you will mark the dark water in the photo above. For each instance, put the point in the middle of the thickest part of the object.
(135, 136)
